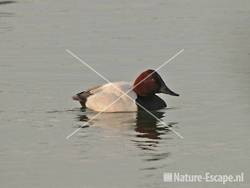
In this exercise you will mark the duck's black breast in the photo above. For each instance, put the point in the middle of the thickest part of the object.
(152, 102)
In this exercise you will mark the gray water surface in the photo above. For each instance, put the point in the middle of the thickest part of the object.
(120, 39)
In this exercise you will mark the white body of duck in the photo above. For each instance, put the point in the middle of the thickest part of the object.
(111, 97)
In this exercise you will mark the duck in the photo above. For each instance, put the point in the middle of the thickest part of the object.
(123, 96)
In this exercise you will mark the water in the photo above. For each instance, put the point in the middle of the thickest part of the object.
(120, 39)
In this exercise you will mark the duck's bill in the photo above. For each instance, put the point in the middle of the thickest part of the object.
(168, 91)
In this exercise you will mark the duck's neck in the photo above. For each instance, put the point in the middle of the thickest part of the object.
(151, 102)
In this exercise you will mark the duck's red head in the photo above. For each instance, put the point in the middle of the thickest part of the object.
(150, 82)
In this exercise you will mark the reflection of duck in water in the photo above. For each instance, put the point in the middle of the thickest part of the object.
(149, 138)
(111, 98)
(147, 130)
(145, 125)
(116, 120)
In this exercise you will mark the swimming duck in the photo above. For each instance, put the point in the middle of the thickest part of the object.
(124, 97)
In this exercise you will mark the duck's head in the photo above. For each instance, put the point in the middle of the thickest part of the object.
(150, 82)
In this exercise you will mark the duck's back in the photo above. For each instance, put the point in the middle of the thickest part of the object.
(111, 98)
